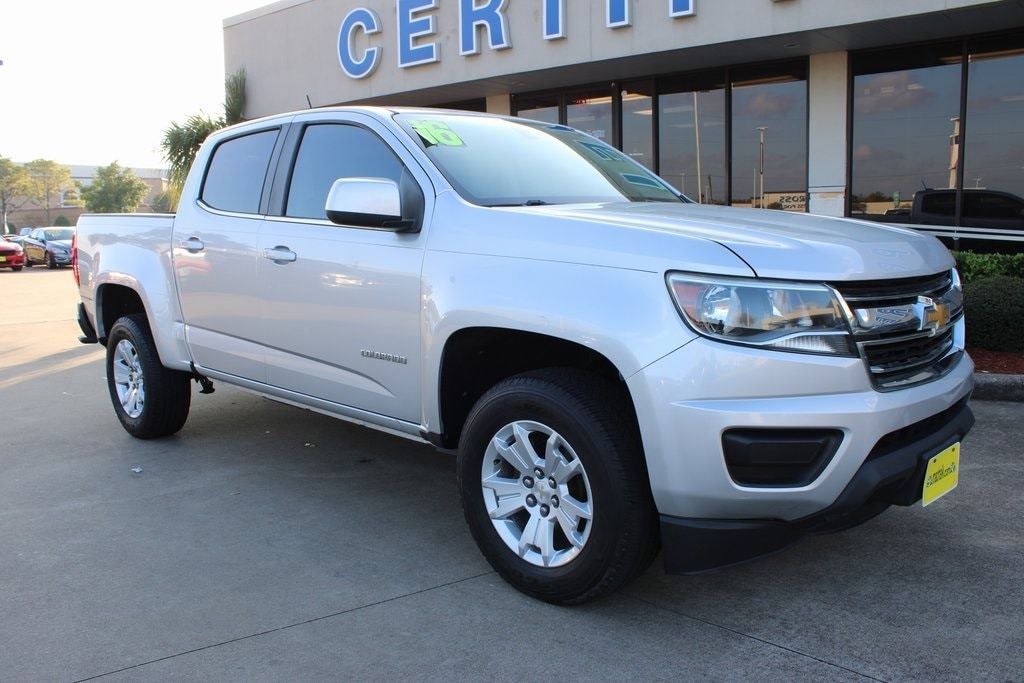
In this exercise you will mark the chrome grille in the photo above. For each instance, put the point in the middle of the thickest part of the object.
(905, 329)
(878, 293)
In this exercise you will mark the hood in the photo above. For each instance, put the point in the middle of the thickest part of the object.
(66, 244)
(779, 244)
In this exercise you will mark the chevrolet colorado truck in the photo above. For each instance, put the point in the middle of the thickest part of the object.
(619, 369)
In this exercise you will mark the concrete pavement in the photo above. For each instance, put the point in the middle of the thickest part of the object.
(266, 542)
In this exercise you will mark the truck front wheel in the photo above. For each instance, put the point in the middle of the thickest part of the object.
(554, 487)
(150, 400)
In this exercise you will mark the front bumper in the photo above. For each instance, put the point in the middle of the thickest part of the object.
(61, 258)
(892, 474)
(12, 260)
(686, 401)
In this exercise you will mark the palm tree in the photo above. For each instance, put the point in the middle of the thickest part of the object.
(182, 140)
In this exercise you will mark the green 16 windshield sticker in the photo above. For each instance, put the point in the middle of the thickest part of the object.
(437, 133)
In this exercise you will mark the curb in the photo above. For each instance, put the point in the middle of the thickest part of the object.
(994, 387)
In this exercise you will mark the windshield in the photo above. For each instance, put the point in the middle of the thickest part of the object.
(500, 162)
(56, 235)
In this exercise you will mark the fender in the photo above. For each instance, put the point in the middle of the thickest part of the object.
(615, 312)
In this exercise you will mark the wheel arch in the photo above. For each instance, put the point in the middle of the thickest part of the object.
(112, 302)
(474, 359)
(121, 295)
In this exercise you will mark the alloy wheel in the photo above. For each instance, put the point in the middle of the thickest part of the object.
(128, 379)
(537, 493)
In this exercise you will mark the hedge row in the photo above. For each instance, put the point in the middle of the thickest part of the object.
(994, 308)
(979, 266)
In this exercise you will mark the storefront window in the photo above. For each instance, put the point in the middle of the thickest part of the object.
(769, 140)
(540, 108)
(994, 141)
(638, 123)
(691, 138)
(906, 134)
(926, 153)
(591, 113)
(681, 128)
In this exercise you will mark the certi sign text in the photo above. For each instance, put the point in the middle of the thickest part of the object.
(417, 26)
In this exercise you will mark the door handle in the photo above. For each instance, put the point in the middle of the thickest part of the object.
(193, 245)
(280, 255)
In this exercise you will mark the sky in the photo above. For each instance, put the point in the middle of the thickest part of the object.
(95, 82)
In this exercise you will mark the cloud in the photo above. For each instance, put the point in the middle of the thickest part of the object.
(890, 92)
(983, 104)
(769, 105)
(868, 153)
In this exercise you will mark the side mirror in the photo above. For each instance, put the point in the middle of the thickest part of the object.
(366, 202)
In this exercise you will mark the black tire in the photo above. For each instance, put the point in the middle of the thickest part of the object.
(50, 262)
(28, 262)
(592, 415)
(16, 269)
(168, 393)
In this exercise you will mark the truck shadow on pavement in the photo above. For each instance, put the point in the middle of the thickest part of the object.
(26, 363)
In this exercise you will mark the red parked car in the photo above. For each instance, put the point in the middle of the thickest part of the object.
(11, 255)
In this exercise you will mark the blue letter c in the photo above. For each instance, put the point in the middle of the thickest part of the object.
(367, 20)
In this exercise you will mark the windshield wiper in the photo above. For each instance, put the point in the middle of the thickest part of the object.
(528, 202)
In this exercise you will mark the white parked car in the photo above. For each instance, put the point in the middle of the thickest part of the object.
(617, 367)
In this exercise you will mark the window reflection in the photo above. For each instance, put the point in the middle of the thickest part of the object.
(906, 138)
(694, 130)
(543, 108)
(638, 124)
(994, 140)
(591, 114)
(769, 143)
(691, 137)
(917, 158)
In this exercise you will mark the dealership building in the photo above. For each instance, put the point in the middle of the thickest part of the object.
(837, 107)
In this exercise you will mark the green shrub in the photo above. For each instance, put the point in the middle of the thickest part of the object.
(995, 313)
(977, 266)
(62, 221)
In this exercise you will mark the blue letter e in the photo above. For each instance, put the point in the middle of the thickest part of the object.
(411, 27)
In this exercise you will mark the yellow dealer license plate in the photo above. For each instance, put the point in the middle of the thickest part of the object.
(3, 259)
(942, 475)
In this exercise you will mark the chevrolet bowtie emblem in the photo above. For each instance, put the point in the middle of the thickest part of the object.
(933, 315)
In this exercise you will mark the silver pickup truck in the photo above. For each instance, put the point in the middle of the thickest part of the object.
(618, 368)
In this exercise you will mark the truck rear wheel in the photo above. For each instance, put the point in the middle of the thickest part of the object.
(150, 400)
(554, 488)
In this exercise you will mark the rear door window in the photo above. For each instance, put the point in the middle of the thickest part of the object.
(237, 171)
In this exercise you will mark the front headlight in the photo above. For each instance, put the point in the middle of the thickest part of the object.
(787, 316)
